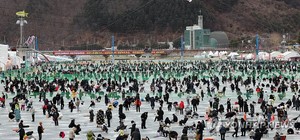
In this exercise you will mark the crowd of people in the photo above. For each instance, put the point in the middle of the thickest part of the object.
(262, 91)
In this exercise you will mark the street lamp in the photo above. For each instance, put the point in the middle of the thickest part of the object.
(21, 51)
(21, 22)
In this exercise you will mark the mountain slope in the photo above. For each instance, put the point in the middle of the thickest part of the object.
(63, 24)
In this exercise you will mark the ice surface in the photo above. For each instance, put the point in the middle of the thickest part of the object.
(52, 132)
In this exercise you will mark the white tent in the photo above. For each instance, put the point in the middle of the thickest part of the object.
(233, 54)
(223, 52)
(216, 54)
(210, 53)
(275, 54)
(3, 56)
(263, 56)
(14, 59)
(287, 55)
(249, 56)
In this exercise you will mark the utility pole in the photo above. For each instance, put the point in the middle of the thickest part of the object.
(242, 44)
(257, 46)
(182, 48)
(113, 49)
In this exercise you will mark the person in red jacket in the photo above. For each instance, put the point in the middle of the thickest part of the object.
(138, 105)
(257, 90)
(181, 107)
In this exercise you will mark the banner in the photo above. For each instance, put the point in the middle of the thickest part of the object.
(106, 52)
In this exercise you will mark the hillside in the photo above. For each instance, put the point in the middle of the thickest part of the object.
(64, 24)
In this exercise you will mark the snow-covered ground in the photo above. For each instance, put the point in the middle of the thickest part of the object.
(51, 131)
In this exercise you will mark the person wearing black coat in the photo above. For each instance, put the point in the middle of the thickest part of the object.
(147, 98)
(221, 109)
(106, 100)
(144, 117)
(252, 111)
(78, 129)
(132, 128)
(228, 105)
(232, 87)
(185, 130)
(136, 135)
(243, 127)
(246, 108)
(62, 103)
(40, 130)
(122, 116)
(166, 97)
(120, 109)
(160, 114)
(161, 103)
(241, 103)
(181, 122)
(200, 128)
(194, 103)
(91, 115)
(108, 116)
(152, 102)
(170, 104)
(72, 124)
(55, 118)
(175, 118)
(167, 121)
(236, 128)
(21, 133)
(71, 105)
(222, 132)
(257, 135)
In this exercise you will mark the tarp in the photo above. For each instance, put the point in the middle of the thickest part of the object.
(56, 58)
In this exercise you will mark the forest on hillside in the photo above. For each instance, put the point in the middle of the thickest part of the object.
(85, 23)
(148, 15)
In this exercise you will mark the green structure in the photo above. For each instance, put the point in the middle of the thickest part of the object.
(195, 37)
